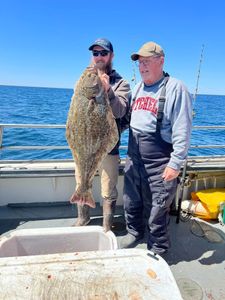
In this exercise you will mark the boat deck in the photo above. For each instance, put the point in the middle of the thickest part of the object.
(196, 258)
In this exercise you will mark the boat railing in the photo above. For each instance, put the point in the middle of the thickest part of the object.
(58, 126)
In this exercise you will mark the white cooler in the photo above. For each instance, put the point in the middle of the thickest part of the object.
(60, 263)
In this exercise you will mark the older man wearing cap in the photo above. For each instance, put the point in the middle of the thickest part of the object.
(119, 94)
(159, 137)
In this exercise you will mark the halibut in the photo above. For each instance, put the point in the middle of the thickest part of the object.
(91, 132)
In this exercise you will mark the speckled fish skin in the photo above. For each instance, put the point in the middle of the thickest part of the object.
(91, 132)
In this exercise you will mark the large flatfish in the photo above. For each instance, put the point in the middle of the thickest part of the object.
(91, 132)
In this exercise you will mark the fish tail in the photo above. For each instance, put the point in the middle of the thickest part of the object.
(83, 198)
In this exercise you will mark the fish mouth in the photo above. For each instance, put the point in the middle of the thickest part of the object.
(92, 69)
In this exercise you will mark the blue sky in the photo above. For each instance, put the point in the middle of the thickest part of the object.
(45, 42)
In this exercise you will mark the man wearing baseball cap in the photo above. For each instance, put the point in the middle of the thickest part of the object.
(159, 137)
(119, 94)
(103, 43)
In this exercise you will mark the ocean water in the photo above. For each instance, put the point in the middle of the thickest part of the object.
(32, 105)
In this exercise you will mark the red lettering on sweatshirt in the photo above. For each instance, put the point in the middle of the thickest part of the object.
(145, 103)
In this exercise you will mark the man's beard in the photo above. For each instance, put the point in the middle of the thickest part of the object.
(105, 68)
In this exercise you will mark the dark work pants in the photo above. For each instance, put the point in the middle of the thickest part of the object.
(147, 197)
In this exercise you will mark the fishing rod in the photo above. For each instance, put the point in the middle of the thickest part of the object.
(181, 190)
(182, 182)
(134, 74)
(198, 76)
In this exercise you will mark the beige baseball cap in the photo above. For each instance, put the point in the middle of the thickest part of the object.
(148, 49)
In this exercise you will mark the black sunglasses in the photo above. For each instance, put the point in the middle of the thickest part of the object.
(101, 52)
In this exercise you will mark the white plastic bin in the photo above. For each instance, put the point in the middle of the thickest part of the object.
(40, 241)
(112, 274)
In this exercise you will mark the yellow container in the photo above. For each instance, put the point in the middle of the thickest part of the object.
(211, 199)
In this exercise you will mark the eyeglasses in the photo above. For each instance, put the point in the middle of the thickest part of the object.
(145, 62)
(101, 53)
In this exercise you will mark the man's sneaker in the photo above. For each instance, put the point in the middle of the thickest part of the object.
(129, 241)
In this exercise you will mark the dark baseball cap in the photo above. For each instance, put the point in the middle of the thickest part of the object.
(104, 43)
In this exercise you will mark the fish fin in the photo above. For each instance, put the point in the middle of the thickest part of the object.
(89, 201)
(83, 199)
